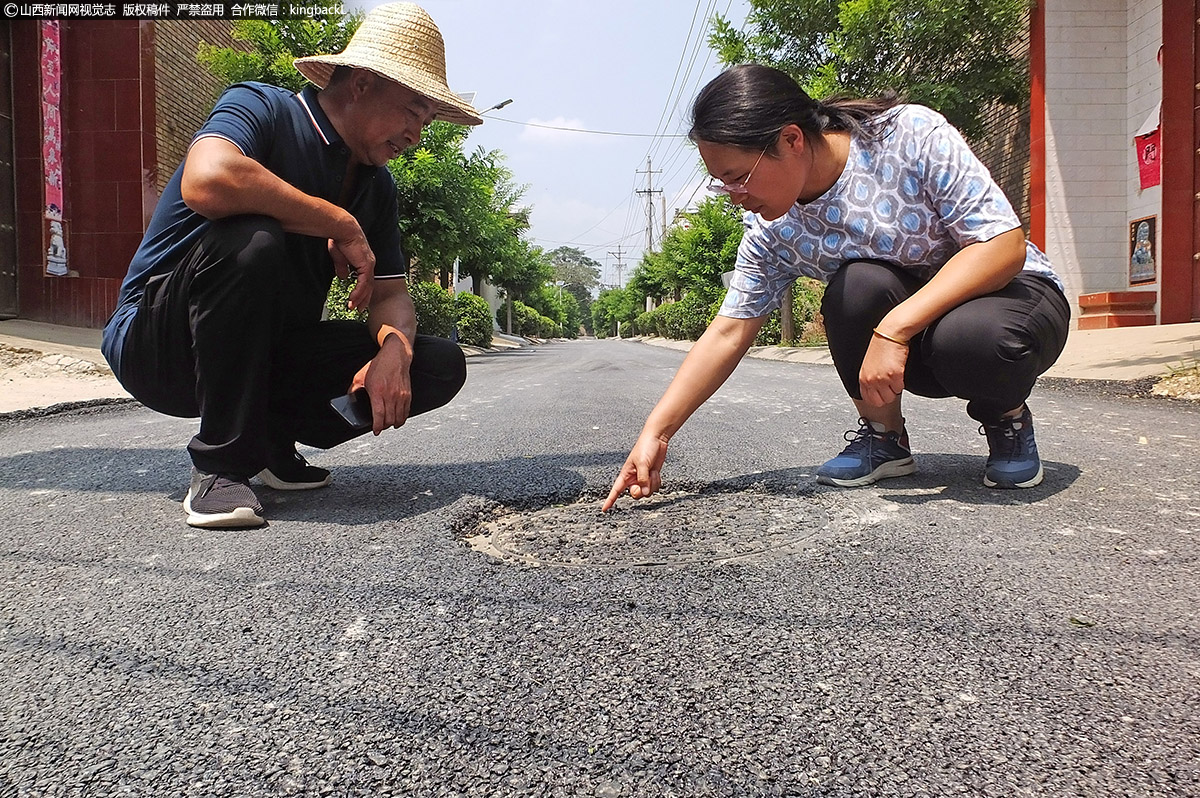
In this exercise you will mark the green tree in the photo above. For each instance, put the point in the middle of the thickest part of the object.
(612, 307)
(274, 44)
(526, 269)
(452, 204)
(474, 319)
(578, 275)
(497, 242)
(559, 305)
(956, 56)
(574, 269)
(705, 246)
(695, 253)
(645, 282)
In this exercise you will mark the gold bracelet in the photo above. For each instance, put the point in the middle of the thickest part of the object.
(887, 337)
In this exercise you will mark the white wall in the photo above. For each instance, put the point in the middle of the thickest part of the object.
(1088, 149)
(1145, 92)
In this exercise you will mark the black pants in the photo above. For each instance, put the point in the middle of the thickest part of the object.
(988, 350)
(233, 336)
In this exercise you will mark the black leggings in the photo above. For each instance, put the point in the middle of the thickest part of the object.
(233, 336)
(988, 350)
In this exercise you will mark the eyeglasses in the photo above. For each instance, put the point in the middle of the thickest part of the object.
(718, 187)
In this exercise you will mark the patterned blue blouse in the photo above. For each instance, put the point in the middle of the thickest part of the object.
(912, 197)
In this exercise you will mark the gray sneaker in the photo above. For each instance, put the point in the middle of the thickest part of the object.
(215, 501)
(288, 470)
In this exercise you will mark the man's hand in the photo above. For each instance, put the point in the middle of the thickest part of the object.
(388, 383)
(881, 378)
(353, 255)
(642, 472)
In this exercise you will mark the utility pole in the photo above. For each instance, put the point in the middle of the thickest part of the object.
(618, 254)
(649, 191)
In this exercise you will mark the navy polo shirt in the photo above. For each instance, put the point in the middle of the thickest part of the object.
(290, 135)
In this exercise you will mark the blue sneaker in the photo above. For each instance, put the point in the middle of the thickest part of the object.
(873, 454)
(1013, 460)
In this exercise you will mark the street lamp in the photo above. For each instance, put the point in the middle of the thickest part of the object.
(496, 107)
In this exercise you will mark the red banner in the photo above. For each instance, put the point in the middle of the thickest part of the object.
(55, 245)
(1148, 157)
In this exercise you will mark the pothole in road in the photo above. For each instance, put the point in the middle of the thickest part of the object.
(680, 528)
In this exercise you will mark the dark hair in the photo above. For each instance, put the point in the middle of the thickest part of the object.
(748, 105)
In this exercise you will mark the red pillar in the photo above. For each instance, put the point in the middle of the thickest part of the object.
(1180, 299)
(1037, 126)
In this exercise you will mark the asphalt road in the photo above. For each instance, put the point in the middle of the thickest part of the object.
(448, 618)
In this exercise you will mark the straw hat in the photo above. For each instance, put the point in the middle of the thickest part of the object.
(400, 42)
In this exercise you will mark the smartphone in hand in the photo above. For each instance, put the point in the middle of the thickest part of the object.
(354, 408)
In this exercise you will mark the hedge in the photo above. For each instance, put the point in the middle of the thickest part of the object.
(474, 320)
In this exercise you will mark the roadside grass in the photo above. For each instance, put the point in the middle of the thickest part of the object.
(1182, 380)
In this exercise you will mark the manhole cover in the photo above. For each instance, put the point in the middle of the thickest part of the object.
(667, 529)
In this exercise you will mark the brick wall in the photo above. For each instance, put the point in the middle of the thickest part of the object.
(1004, 145)
(1004, 150)
(184, 90)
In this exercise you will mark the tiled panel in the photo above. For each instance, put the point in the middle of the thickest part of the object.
(82, 254)
(29, 239)
(115, 250)
(128, 209)
(119, 155)
(26, 96)
(76, 38)
(92, 105)
(104, 138)
(127, 111)
(31, 299)
(103, 301)
(80, 156)
(95, 208)
(1087, 143)
(115, 49)
(107, 263)
(29, 184)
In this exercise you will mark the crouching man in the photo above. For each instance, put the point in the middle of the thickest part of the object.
(220, 313)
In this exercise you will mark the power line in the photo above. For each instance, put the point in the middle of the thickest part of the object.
(649, 191)
(589, 132)
(618, 254)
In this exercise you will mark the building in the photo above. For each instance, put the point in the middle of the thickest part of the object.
(95, 115)
(1113, 182)
(94, 118)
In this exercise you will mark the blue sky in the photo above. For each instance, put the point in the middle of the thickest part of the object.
(620, 66)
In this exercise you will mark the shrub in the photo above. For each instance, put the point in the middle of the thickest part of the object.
(814, 332)
(770, 334)
(474, 319)
(806, 312)
(435, 309)
(684, 320)
(527, 321)
(644, 323)
(335, 302)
